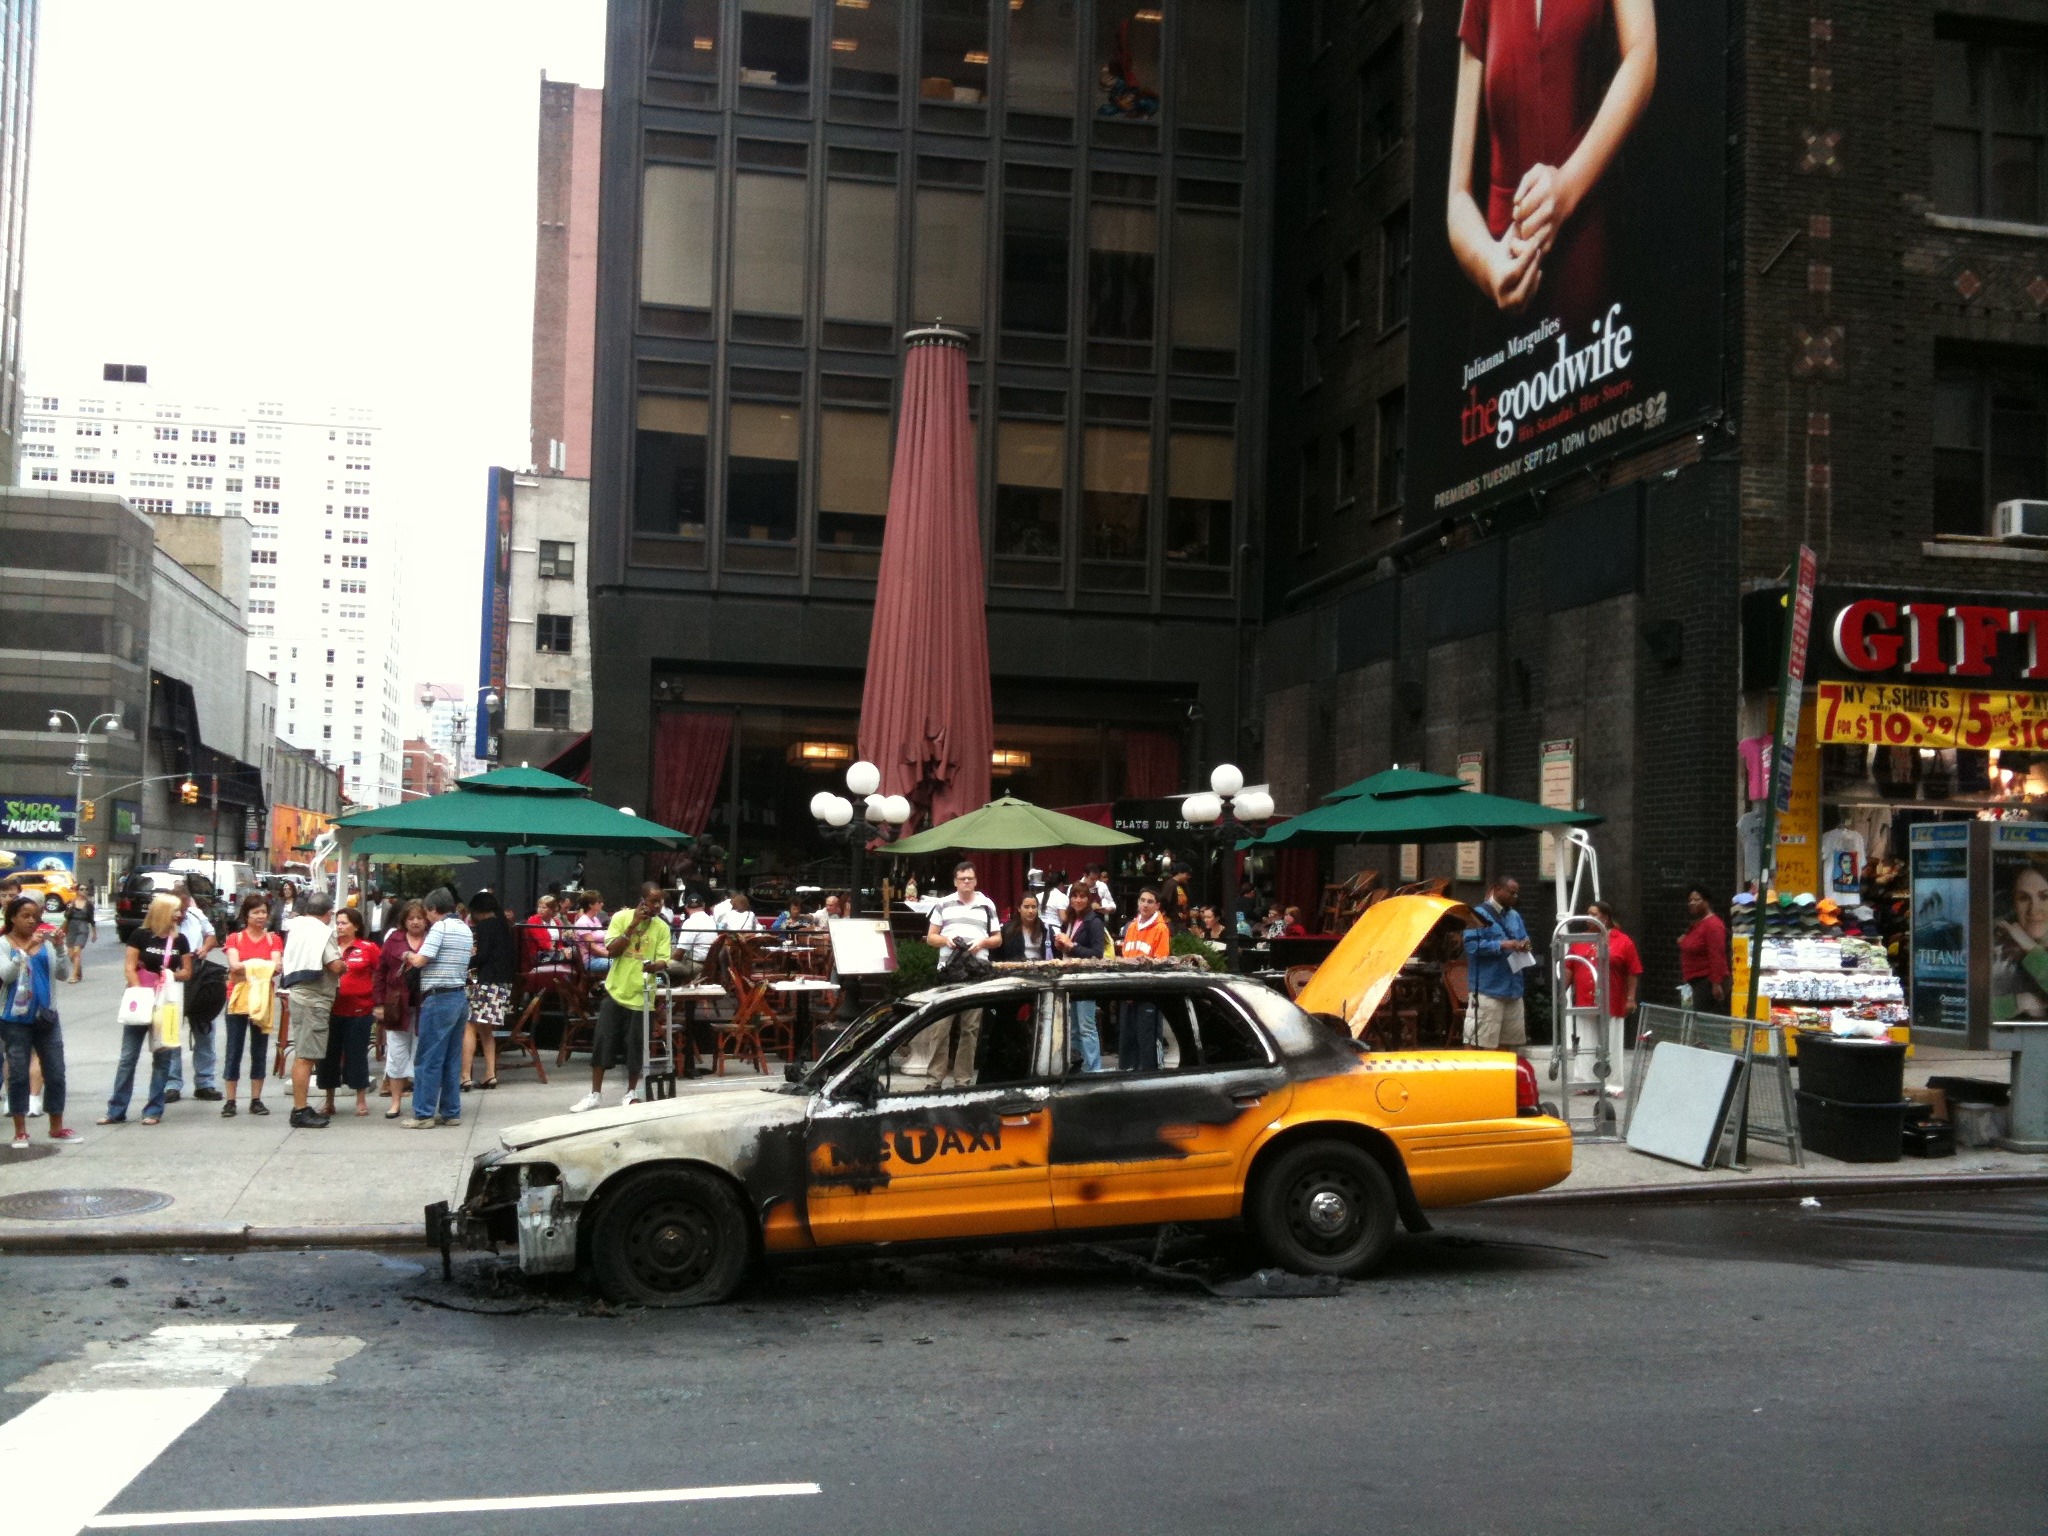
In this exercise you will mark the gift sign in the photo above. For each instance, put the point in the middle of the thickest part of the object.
(1916, 715)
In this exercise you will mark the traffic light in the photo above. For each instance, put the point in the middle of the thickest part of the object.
(90, 851)
(188, 793)
(87, 810)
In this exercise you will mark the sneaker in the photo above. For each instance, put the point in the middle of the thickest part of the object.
(257, 1107)
(588, 1101)
(228, 1111)
(21, 1142)
(308, 1120)
(448, 1120)
(67, 1134)
(410, 1124)
(210, 1095)
(172, 1095)
(632, 1097)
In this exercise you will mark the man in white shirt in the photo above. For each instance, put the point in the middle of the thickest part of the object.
(1105, 904)
(1055, 903)
(697, 934)
(200, 991)
(738, 916)
(963, 925)
(724, 906)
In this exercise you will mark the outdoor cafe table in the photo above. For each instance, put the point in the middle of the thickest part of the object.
(689, 996)
(803, 987)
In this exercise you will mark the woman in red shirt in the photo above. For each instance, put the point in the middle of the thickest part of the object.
(1624, 975)
(1703, 952)
(355, 1004)
(1534, 130)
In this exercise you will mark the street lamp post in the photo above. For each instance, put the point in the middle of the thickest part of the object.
(1219, 817)
(81, 765)
(489, 699)
(881, 816)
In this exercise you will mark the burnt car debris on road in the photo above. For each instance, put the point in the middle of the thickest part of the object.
(958, 1116)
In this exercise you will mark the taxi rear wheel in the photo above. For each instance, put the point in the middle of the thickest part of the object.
(671, 1237)
(1324, 1208)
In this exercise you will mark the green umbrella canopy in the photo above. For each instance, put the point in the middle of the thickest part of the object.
(1425, 816)
(518, 809)
(398, 848)
(1396, 781)
(1009, 825)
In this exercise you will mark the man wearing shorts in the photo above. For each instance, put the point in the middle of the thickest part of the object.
(638, 941)
(1496, 955)
(312, 961)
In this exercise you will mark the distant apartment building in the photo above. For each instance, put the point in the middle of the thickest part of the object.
(565, 279)
(427, 770)
(18, 19)
(321, 590)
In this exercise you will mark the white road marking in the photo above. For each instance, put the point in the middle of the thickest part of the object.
(72, 1453)
(449, 1506)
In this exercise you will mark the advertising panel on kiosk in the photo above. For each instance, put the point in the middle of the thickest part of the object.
(1568, 243)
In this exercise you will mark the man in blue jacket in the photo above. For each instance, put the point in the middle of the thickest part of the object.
(1496, 955)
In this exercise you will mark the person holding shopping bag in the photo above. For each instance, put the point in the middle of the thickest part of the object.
(159, 960)
(32, 962)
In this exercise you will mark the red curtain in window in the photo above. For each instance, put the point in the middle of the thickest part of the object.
(690, 754)
(1151, 764)
(1298, 882)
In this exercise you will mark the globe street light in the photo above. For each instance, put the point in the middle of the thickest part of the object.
(81, 764)
(1218, 818)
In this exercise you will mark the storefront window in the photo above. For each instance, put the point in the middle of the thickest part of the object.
(1035, 263)
(1127, 60)
(686, 39)
(1040, 74)
(1209, 83)
(775, 42)
(1201, 482)
(860, 251)
(1123, 247)
(678, 215)
(1205, 298)
(864, 47)
(853, 488)
(947, 282)
(1031, 502)
(761, 473)
(953, 57)
(769, 240)
(669, 461)
(1116, 496)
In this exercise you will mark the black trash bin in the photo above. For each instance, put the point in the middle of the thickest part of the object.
(1852, 1133)
(1852, 1071)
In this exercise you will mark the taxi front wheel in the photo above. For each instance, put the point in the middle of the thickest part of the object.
(1324, 1208)
(671, 1237)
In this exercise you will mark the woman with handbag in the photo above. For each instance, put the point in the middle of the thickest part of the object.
(31, 963)
(398, 994)
(159, 959)
(254, 955)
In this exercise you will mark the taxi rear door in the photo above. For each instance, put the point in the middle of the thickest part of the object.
(1140, 1148)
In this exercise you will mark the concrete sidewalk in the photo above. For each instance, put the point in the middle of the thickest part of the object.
(256, 1180)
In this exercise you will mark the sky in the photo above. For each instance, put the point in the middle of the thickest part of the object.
(318, 202)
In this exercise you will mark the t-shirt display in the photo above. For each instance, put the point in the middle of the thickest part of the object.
(1843, 854)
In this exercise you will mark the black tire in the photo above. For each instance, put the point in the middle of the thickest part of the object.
(671, 1237)
(1324, 1208)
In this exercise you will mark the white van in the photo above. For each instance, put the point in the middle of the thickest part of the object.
(234, 880)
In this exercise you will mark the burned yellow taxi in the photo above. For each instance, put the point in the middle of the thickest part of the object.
(964, 1114)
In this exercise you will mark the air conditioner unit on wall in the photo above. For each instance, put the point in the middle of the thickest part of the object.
(2020, 519)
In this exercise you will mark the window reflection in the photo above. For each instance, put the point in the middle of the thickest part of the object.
(1123, 245)
(677, 216)
(1205, 280)
(860, 251)
(864, 46)
(1201, 478)
(953, 57)
(853, 478)
(775, 42)
(669, 465)
(1209, 84)
(1035, 263)
(761, 473)
(947, 283)
(1031, 477)
(768, 244)
(1040, 71)
(1116, 493)
(686, 38)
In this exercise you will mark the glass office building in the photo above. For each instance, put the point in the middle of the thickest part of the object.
(17, 96)
(789, 185)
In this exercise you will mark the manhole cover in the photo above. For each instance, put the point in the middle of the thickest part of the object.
(9, 1157)
(80, 1204)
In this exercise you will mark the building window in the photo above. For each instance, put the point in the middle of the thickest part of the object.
(237, 438)
(775, 42)
(1394, 269)
(769, 244)
(46, 451)
(1990, 437)
(1123, 257)
(678, 216)
(1035, 261)
(947, 281)
(1031, 502)
(953, 52)
(853, 485)
(1116, 499)
(670, 463)
(263, 482)
(1201, 487)
(199, 482)
(1206, 291)
(205, 435)
(860, 251)
(864, 48)
(1351, 297)
(1393, 450)
(1127, 78)
(551, 709)
(165, 434)
(1307, 504)
(1209, 83)
(557, 560)
(1318, 164)
(1379, 105)
(48, 472)
(1312, 335)
(1347, 467)
(1039, 77)
(686, 39)
(761, 473)
(265, 508)
(95, 477)
(263, 557)
(1990, 124)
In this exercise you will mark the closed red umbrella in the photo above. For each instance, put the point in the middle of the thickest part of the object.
(926, 719)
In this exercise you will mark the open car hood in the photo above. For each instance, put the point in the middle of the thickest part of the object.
(1354, 980)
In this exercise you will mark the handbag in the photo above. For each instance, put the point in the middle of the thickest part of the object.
(138, 1004)
(167, 1019)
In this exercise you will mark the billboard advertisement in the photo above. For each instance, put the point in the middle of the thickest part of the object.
(497, 604)
(1567, 238)
(38, 816)
(1940, 873)
(2019, 921)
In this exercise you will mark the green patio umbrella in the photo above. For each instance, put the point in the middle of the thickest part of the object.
(1442, 815)
(1009, 825)
(1396, 781)
(517, 810)
(398, 848)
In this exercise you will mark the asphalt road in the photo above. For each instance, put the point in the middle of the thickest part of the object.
(1871, 1366)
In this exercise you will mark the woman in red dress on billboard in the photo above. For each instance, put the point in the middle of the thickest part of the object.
(1535, 92)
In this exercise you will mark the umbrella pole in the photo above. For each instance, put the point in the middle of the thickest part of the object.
(502, 892)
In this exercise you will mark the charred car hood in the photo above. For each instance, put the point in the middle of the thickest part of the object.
(722, 1106)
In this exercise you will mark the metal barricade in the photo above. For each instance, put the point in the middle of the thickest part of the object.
(1765, 1108)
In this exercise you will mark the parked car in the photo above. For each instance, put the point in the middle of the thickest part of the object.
(140, 886)
(231, 878)
(1258, 1114)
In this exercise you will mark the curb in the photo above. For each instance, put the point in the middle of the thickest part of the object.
(210, 1237)
(1796, 1185)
